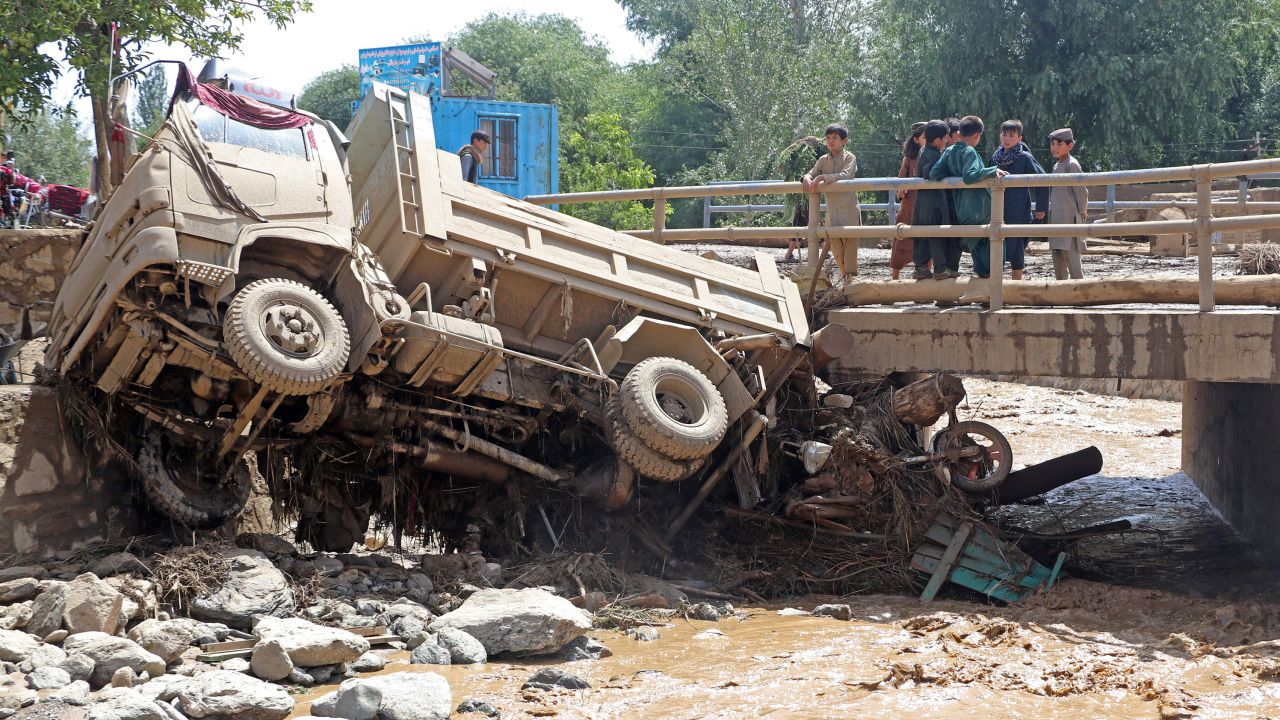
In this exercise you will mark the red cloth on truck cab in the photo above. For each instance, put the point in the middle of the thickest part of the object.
(238, 107)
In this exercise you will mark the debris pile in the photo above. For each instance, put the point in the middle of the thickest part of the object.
(1258, 259)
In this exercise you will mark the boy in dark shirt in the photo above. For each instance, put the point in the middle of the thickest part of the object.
(972, 205)
(933, 208)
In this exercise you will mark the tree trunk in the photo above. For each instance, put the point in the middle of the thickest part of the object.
(1239, 290)
(923, 402)
(102, 140)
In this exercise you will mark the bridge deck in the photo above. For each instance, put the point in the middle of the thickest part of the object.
(1153, 342)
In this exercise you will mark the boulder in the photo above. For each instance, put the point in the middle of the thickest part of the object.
(117, 563)
(223, 694)
(15, 616)
(584, 648)
(168, 638)
(644, 633)
(109, 654)
(265, 542)
(76, 694)
(48, 678)
(309, 644)
(237, 664)
(463, 649)
(270, 661)
(124, 677)
(253, 586)
(478, 706)
(516, 622)
(837, 611)
(16, 646)
(46, 611)
(125, 704)
(47, 656)
(22, 571)
(358, 702)
(402, 696)
(550, 678)
(412, 630)
(369, 662)
(430, 653)
(91, 605)
(19, 590)
(79, 667)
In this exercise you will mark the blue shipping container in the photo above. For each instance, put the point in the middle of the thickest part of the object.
(524, 158)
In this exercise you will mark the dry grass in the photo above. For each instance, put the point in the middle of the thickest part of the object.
(1258, 259)
(186, 573)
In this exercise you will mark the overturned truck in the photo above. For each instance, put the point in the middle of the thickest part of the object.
(345, 313)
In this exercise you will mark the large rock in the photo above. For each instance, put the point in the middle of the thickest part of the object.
(253, 586)
(309, 644)
(169, 638)
(47, 609)
(47, 656)
(402, 696)
(410, 629)
(223, 694)
(91, 605)
(270, 661)
(430, 653)
(463, 649)
(48, 678)
(125, 704)
(109, 654)
(16, 646)
(19, 590)
(516, 622)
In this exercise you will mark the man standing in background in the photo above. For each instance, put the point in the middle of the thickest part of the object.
(1067, 206)
(472, 155)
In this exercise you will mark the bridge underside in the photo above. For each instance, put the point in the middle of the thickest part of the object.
(1231, 345)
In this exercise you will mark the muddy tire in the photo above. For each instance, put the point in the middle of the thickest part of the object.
(644, 460)
(177, 483)
(673, 408)
(332, 527)
(982, 473)
(286, 336)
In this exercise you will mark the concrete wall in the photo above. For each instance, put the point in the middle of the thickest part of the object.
(1236, 345)
(32, 266)
(50, 497)
(1229, 448)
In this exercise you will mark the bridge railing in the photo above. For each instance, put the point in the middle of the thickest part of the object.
(1203, 227)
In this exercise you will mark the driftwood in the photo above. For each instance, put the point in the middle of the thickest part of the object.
(923, 402)
(1238, 290)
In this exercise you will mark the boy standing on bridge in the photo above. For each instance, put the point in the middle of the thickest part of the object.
(1014, 157)
(1067, 206)
(933, 208)
(972, 205)
(842, 207)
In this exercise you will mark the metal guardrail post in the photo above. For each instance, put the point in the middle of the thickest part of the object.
(1111, 203)
(706, 212)
(1242, 195)
(996, 234)
(659, 218)
(1204, 238)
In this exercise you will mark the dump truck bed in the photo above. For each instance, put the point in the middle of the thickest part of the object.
(554, 278)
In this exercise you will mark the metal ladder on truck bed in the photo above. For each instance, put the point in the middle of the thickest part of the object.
(405, 161)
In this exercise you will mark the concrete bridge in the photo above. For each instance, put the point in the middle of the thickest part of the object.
(1227, 357)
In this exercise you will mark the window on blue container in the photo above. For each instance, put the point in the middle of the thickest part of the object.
(500, 159)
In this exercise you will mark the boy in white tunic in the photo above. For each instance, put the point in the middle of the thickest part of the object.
(1067, 206)
(842, 207)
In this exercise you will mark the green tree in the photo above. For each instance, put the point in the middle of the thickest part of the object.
(329, 95)
(599, 156)
(51, 143)
(151, 102)
(542, 59)
(36, 34)
(1142, 82)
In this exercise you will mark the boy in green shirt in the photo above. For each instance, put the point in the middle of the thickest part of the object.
(972, 205)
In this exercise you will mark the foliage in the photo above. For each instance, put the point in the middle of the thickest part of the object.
(329, 95)
(36, 34)
(599, 156)
(151, 102)
(1141, 81)
(50, 143)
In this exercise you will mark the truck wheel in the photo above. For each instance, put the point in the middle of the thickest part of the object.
(646, 461)
(286, 336)
(177, 484)
(673, 408)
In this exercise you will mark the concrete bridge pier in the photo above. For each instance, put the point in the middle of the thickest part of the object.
(1229, 448)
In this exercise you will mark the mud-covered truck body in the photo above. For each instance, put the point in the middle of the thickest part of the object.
(366, 328)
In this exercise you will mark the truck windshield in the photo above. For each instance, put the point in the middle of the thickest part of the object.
(216, 127)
